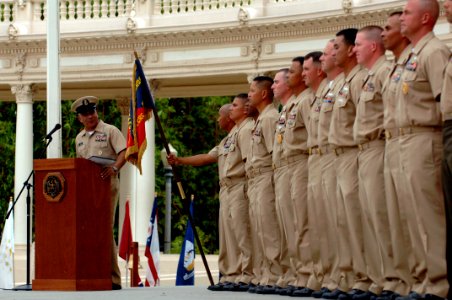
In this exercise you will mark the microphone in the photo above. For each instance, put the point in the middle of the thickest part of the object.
(49, 135)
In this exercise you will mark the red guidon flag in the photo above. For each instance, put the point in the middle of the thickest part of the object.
(141, 106)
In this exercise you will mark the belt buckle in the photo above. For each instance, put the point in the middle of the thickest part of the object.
(401, 131)
(388, 134)
(361, 147)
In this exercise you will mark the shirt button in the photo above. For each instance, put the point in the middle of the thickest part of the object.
(100, 152)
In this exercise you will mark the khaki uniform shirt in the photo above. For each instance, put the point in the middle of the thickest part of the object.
(390, 87)
(328, 95)
(313, 115)
(220, 152)
(446, 94)
(278, 150)
(234, 165)
(369, 113)
(422, 81)
(296, 135)
(344, 109)
(263, 138)
(105, 141)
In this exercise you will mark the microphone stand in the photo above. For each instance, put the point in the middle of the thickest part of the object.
(27, 286)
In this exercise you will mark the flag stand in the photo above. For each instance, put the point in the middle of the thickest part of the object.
(181, 190)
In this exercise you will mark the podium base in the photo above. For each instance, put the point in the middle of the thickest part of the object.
(23, 287)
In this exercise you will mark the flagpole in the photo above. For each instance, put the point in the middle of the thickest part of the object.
(181, 189)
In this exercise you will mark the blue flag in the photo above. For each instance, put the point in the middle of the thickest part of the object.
(186, 267)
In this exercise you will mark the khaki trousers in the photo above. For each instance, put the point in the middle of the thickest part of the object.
(115, 273)
(285, 214)
(329, 184)
(298, 172)
(420, 160)
(377, 240)
(229, 253)
(257, 257)
(318, 224)
(349, 220)
(262, 197)
(400, 240)
(237, 220)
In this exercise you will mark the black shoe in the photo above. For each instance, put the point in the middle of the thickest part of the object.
(236, 287)
(253, 288)
(411, 296)
(305, 292)
(433, 297)
(319, 294)
(388, 295)
(334, 294)
(365, 296)
(281, 290)
(266, 290)
(115, 286)
(218, 287)
(351, 294)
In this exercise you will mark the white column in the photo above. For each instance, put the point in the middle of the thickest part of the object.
(145, 186)
(53, 78)
(127, 174)
(23, 157)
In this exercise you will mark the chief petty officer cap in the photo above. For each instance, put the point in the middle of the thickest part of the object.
(84, 104)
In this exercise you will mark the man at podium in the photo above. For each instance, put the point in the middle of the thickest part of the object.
(104, 144)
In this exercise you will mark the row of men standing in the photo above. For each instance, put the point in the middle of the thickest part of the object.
(339, 195)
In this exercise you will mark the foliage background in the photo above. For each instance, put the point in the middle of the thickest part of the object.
(190, 126)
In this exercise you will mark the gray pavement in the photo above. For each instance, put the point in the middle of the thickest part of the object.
(162, 292)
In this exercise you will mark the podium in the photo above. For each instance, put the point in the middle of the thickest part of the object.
(73, 226)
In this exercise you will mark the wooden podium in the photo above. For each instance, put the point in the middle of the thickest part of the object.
(73, 232)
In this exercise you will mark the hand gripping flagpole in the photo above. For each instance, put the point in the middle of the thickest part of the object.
(181, 189)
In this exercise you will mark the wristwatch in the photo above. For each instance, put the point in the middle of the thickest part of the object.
(115, 169)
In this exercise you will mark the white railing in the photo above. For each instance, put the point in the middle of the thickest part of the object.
(69, 10)
(186, 6)
(7, 11)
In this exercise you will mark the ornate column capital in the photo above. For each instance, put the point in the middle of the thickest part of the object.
(24, 92)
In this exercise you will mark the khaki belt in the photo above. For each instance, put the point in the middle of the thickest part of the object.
(227, 182)
(325, 149)
(314, 150)
(391, 133)
(342, 150)
(254, 172)
(418, 129)
(371, 144)
(285, 161)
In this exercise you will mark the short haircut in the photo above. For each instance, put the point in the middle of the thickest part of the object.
(431, 7)
(396, 13)
(265, 83)
(315, 55)
(224, 109)
(300, 59)
(284, 70)
(373, 32)
(243, 97)
(349, 35)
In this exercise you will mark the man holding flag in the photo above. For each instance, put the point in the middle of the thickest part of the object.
(103, 143)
